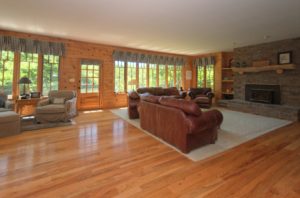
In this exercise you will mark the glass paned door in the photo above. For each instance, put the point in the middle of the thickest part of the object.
(89, 86)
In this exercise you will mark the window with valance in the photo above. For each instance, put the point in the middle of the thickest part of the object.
(37, 60)
(205, 71)
(151, 70)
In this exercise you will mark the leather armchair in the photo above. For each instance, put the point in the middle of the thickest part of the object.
(201, 96)
(60, 106)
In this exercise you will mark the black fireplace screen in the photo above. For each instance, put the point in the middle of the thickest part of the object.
(269, 94)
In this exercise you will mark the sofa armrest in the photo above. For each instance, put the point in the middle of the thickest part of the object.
(133, 95)
(43, 102)
(210, 95)
(207, 120)
(192, 94)
(70, 106)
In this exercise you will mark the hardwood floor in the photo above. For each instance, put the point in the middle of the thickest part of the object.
(104, 156)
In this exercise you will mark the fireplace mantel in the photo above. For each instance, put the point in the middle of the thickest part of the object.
(278, 68)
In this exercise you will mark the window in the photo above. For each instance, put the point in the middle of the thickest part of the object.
(200, 76)
(171, 78)
(210, 76)
(89, 78)
(119, 76)
(131, 76)
(178, 76)
(205, 76)
(162, 76)
(50, 73)
(29, 68)
(6, 72)
(142, 75)
(152, 75)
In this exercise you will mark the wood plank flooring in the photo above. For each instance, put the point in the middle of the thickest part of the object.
(104, 156)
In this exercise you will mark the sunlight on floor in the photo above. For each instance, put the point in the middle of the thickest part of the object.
(92, 111)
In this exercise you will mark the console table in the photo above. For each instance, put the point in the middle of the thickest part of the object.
(26, 107)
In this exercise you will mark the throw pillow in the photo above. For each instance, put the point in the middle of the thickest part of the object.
(58, 100)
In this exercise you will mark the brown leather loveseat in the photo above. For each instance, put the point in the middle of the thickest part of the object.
(181, 123)
(134, 97)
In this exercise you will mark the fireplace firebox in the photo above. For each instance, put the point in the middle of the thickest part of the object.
(269, 94)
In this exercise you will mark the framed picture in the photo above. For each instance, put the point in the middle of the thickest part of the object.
(35, 94)
(284, 57)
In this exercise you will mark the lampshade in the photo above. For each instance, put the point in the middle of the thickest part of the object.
(24, 80)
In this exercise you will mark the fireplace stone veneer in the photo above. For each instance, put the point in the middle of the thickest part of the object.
(289, 81)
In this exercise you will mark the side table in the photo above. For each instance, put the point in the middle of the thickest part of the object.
(26, 107)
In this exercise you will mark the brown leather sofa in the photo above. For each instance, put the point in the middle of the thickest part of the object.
(181, 123)
(201, 96)
(134, 97)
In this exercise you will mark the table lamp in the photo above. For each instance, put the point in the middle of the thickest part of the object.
(25, 81)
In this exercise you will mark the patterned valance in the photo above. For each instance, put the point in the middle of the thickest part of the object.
(148, 58)
(14, 44)
(90, 62)
(210, 60)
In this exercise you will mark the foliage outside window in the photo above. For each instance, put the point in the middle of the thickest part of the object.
(29, 68)
(200, 76)
(50, 73)
(149, 75)
(6, 72)
(178, 76)
(205, 76)
(89, 78)
(210, 76)
(119, 76)
(171, 77)
(152, 75)
(142, 75)
(162, 75)
(131, 76)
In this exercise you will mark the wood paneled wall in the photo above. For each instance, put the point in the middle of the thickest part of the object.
(77, 50)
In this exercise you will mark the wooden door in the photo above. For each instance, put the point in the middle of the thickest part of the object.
(89, 90)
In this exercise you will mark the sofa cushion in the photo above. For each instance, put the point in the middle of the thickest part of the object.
(159, 91)
(202, 99)
(4, 109)
(171, 91)
(52, 108)
(9, 116)
(188, 107)
(151, 98)
(59, 100)
(68, 95)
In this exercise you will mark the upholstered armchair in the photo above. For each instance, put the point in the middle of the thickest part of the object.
(201, 96)
(60, 106)
(5, 105)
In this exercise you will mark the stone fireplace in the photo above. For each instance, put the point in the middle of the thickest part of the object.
(266, 92)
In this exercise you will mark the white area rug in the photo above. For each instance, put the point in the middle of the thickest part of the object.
(237, 128)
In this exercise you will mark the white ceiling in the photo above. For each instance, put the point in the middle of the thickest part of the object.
(175, 26)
